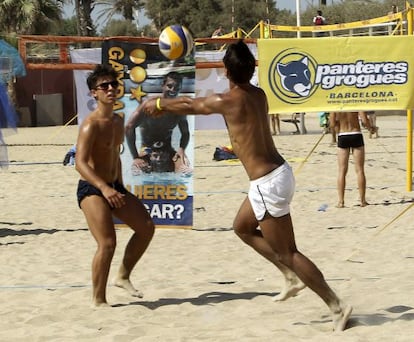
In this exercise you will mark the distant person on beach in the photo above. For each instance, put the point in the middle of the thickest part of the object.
(217, 32)
(372, 117)
(274, 123)
(101, 194)
(272, 184)
(319, 19)
(350, 140)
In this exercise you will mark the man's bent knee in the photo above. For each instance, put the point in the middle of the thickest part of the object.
(244, 235)
(146, 230)
(107, 248)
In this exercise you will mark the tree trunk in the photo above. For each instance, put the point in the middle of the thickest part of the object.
(85, 25)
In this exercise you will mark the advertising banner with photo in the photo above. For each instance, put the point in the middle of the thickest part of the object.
(84, 100)
(337, 74)
(158, 153)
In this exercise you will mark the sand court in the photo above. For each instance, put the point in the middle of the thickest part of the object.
(204, 284)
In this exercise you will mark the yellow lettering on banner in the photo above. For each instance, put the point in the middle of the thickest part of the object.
(117, 66)
(118, 105)
(116, 53)
(157, 191)
(181, 192)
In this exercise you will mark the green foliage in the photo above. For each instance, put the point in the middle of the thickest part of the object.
(127, 8)
(202, 17)
(65, 27)
(28, 16)
(120, 28)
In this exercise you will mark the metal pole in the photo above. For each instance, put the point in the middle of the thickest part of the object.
(409, 155)
(298, 16)
(232, 15)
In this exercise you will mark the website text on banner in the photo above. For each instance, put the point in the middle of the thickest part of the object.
(157, 153)
(337, 74)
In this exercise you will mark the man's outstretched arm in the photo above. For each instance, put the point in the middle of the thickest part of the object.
(183, 105)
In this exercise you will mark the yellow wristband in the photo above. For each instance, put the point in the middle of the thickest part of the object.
(158, 104)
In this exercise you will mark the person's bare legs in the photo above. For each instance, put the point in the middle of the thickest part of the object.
(100, 221)
(133, 214)
(274, 123)
(343, 158)
(277, 121)
(245, 226)
(359, 159)
(99, 218)
(278, 233)
(333, 136)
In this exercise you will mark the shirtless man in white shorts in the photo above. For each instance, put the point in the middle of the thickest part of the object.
(245, 110)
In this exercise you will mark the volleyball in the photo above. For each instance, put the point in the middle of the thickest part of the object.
(175, 42)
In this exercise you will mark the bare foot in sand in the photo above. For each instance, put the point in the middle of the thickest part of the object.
(292, 287)
(340, 205)
(364, 203)
(127, 285)
(99, 304)
(341, 318)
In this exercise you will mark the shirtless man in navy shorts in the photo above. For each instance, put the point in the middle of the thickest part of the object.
(101, 194)
(272, 184)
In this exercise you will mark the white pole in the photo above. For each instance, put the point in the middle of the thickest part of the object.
(298, 16)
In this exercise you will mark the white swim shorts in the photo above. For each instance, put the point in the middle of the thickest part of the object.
(273, 192)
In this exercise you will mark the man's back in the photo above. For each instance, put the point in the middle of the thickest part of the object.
(348, 122)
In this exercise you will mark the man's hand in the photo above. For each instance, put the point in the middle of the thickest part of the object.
(140, 165)
(181, 154)
(114, 198)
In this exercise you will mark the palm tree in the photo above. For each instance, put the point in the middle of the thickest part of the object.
(28, 16)
(127, 8)
(83, 10)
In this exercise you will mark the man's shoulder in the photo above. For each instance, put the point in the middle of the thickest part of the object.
(119, 116)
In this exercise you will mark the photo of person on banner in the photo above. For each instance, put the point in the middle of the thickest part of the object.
(156, 153)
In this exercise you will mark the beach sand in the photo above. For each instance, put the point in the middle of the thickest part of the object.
(205, 284)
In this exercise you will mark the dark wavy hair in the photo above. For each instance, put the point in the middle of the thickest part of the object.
(101, 70)
(239, 62)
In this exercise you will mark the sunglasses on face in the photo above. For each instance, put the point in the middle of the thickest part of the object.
(105, 85)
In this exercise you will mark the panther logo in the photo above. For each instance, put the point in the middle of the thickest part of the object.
(295, 76)
(292, 75)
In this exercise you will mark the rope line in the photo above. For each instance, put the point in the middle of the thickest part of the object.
(382, 229)
(309, 154)
(63, 127)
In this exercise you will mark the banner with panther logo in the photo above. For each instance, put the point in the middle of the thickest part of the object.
(158, 153)
(337, 74)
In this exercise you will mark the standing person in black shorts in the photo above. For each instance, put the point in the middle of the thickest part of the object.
(101, 194)
(350, 140)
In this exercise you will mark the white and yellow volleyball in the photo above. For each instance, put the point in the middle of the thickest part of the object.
(175, 42)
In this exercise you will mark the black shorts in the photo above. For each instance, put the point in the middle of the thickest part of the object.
(87, 189)
(350, 140)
